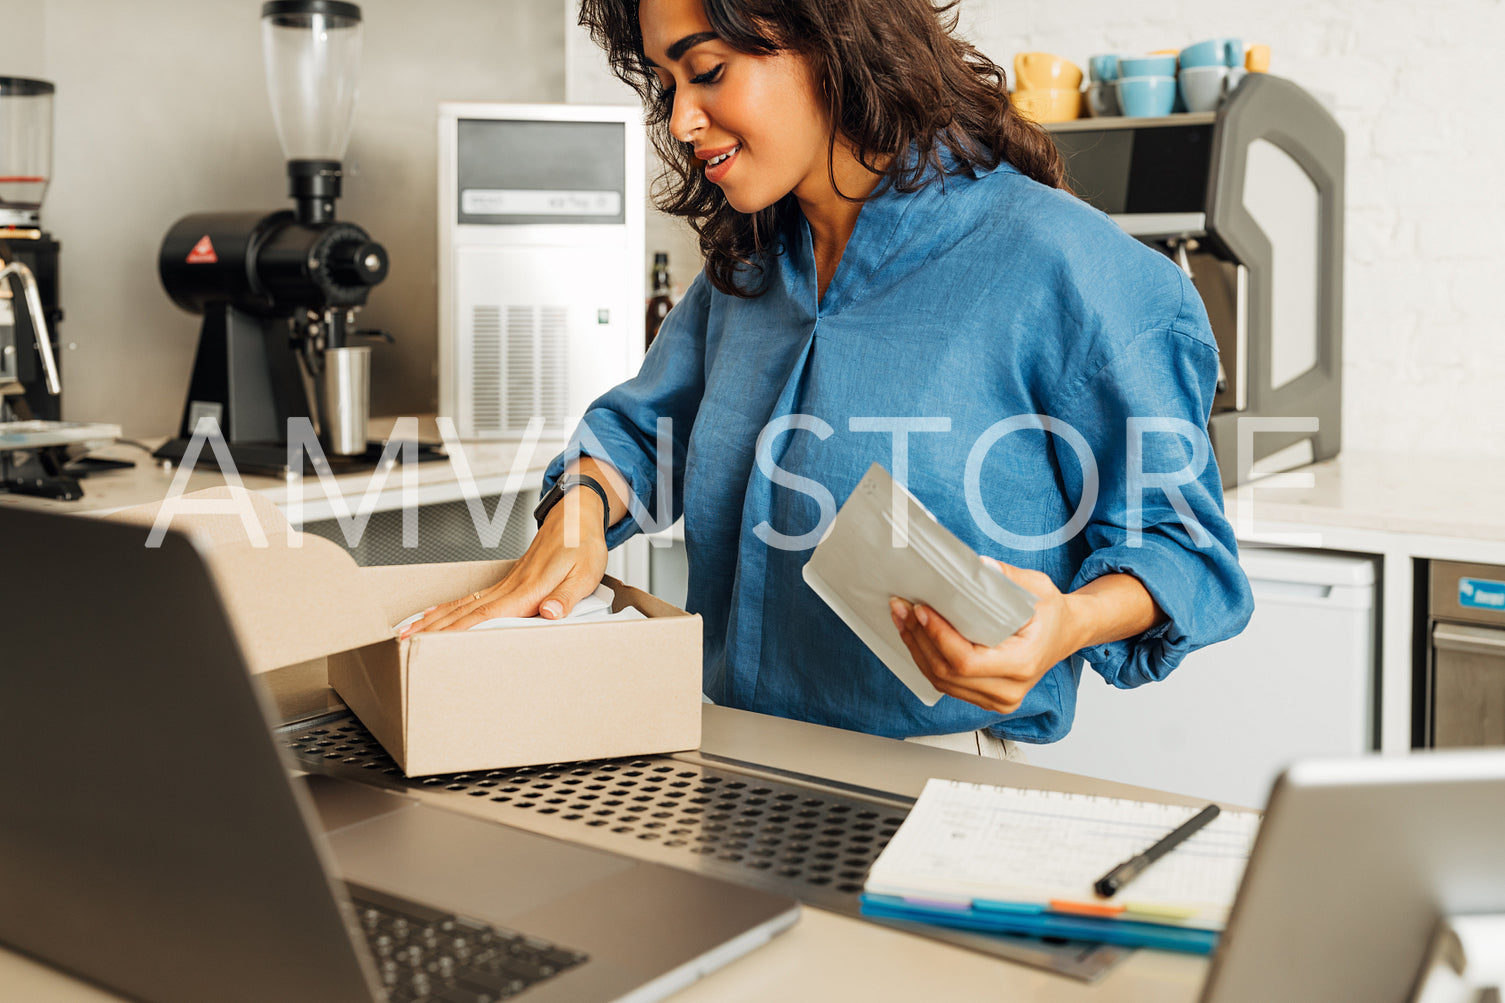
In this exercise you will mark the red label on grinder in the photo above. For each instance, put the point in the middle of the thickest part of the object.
(203, 252)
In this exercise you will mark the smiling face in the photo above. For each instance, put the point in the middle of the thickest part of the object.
(753, 120)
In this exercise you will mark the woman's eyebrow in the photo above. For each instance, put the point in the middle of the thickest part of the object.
(684, 45)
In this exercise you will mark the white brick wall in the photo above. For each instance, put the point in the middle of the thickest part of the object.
(1424, 284)
(588, 80)
(1424, 348)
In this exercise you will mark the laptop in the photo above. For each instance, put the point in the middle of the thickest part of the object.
(153, 840)
(1355, 864)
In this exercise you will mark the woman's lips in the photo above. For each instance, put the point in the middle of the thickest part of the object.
(715, 172)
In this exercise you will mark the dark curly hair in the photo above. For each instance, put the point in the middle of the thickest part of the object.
(894, 77)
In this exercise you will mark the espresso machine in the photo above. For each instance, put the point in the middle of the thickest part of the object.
(1248, 201)
(33, 441)
(279, 291)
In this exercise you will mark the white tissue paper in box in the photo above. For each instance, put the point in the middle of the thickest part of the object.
(595, 607)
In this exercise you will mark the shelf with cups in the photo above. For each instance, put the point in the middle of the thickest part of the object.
(1098, 122)
(1193, 80)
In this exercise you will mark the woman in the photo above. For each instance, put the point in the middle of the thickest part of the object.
(892, 269)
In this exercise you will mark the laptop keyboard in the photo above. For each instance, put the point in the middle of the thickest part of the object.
(424, 954)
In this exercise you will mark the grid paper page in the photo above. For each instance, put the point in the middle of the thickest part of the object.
(974, 841)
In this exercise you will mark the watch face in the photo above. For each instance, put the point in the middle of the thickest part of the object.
(541, 512)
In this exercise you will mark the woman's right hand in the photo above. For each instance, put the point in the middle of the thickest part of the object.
(563, 565)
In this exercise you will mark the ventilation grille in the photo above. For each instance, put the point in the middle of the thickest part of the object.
(522, 366)
(519, 368)
(747, 827)
(486, 369)
(823, 841)
(554, 366)
(446, 533)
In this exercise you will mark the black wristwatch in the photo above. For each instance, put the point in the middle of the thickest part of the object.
(564, 486)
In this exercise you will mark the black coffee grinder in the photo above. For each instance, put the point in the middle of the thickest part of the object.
(279, 291)
(25, 169)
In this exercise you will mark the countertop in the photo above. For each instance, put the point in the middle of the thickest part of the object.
(827, 956)
(1398, 493)
(1404, 508)
(1395, 493)
(492, 467)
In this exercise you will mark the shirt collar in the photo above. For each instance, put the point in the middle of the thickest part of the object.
(885, 221)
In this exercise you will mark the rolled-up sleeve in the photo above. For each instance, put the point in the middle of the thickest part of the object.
(621, 427)
(1159, 513)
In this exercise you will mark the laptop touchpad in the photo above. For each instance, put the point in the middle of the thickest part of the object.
(466, 865)
(341, 802)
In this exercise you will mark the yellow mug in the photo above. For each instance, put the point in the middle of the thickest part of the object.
(1257, 59)
(1048, 104)
(1043, 71)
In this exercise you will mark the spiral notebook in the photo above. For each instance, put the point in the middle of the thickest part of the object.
(1024, 861)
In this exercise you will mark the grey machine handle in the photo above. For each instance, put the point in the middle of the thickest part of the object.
(33, 298)
(1470, 640)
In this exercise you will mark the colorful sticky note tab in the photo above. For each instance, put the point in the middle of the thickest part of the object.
(1156, 911)
(1020, 908)
(1086, 908)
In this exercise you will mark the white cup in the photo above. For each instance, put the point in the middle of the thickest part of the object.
(1102, 99)
(1203, 87)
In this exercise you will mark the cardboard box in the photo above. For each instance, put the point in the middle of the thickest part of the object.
(449, 702)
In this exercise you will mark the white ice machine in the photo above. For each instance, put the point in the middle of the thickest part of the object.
(540, 262)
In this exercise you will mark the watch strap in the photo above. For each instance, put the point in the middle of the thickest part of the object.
(564, 486)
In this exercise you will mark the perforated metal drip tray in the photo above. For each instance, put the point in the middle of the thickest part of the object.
(797, 836)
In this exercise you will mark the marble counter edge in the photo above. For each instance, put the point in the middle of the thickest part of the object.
(487, 469)
(1397, 493)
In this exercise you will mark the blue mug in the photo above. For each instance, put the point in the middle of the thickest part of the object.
(1147, 66)
(1103, 68)
(1146, 97)
(1214, 52)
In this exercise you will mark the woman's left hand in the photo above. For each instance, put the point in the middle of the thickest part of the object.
(996, 678)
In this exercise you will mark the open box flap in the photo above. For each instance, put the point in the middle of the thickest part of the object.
(628, 595)
(404, 589)
(291, 597)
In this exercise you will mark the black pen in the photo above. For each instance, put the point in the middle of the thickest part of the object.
(1131, 868)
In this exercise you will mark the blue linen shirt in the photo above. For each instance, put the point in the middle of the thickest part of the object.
(969, 302)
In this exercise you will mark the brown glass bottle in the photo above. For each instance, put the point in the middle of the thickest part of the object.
(659, 303)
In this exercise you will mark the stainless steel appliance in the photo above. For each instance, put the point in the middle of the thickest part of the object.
(279, 291)
(33, 442)
(1248, 200)
(25, 170)
(1465, 655)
